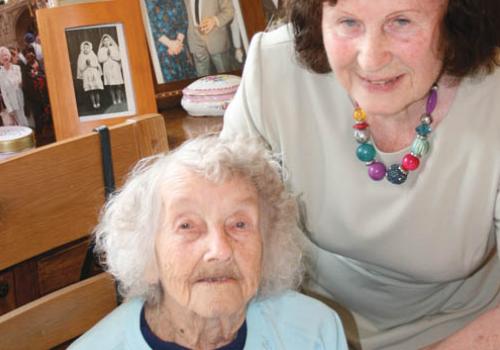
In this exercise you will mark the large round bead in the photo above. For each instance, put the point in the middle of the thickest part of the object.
(365, 152)
(396, 175)
(420, 147)
(362, 135)
(359, 115)
(410, 162)
(376, 171)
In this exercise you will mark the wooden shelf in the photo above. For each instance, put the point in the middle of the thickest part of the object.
(180, 126)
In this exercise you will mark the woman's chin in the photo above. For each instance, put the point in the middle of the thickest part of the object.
(219, 309)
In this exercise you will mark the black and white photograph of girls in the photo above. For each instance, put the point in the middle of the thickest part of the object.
(101, 75)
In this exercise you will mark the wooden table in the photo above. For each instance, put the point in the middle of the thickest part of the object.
(181, 126)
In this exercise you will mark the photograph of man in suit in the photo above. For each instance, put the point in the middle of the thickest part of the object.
(208, 35)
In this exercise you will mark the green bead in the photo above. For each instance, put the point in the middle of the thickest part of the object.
(366, 152)
(420, 147)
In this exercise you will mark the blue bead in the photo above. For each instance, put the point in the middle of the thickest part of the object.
(423, 129)
(366, 152)
(395, 175)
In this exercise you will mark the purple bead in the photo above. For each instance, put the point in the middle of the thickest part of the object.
(431, 101)
(376, 171)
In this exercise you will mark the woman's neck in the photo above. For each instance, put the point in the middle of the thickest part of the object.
(392, 133)
(7, 65)
(186, 328)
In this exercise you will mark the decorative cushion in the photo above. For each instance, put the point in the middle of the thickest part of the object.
(210, 96)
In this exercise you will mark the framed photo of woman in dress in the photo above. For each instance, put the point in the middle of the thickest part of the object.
(96, 70)
(189, 39)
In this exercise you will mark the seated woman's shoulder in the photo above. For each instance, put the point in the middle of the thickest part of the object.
(113, 330)
(294, 304)
(299, 321)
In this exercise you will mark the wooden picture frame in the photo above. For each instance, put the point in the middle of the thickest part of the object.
(54, 25)
(250, 12)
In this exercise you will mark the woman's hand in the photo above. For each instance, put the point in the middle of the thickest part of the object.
(174, 47)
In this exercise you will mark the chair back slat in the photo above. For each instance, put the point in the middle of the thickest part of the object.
(59, 316)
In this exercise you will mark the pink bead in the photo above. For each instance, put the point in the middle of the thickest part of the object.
(410, 162)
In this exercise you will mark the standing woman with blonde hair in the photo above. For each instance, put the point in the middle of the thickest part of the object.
(11, 87)
(387, 114)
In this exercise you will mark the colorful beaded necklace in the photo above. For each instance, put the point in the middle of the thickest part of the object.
(397, 173)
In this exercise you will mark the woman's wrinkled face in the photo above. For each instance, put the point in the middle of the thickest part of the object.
(385, 53)
(209, 250)
(4, 57)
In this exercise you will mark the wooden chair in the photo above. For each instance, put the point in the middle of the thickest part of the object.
(50, 198)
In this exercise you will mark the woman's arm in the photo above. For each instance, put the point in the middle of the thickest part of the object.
(481, 334)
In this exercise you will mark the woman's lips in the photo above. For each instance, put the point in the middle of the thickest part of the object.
(381, 84)
(216, 280)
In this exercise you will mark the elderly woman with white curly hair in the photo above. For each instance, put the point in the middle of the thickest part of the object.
(205, 247)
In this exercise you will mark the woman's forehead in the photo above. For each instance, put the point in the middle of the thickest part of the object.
(187, 185)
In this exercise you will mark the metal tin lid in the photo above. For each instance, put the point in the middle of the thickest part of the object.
(15, 139)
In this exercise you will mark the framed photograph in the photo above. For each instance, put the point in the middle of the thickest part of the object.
(100, 70)
(189, 39)
(97, 72)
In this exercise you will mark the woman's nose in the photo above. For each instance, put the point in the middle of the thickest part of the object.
(218, 245)
(373, 52)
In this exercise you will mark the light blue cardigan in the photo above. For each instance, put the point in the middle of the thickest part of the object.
(289, 321)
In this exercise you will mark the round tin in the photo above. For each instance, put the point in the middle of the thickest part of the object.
(14, 139)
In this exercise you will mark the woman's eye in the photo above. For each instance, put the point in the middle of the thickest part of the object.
(241, 225)
(350, 23)
(185, 226)
(402, 22)
(348, 27)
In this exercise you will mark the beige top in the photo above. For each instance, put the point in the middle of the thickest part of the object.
(411, 263)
